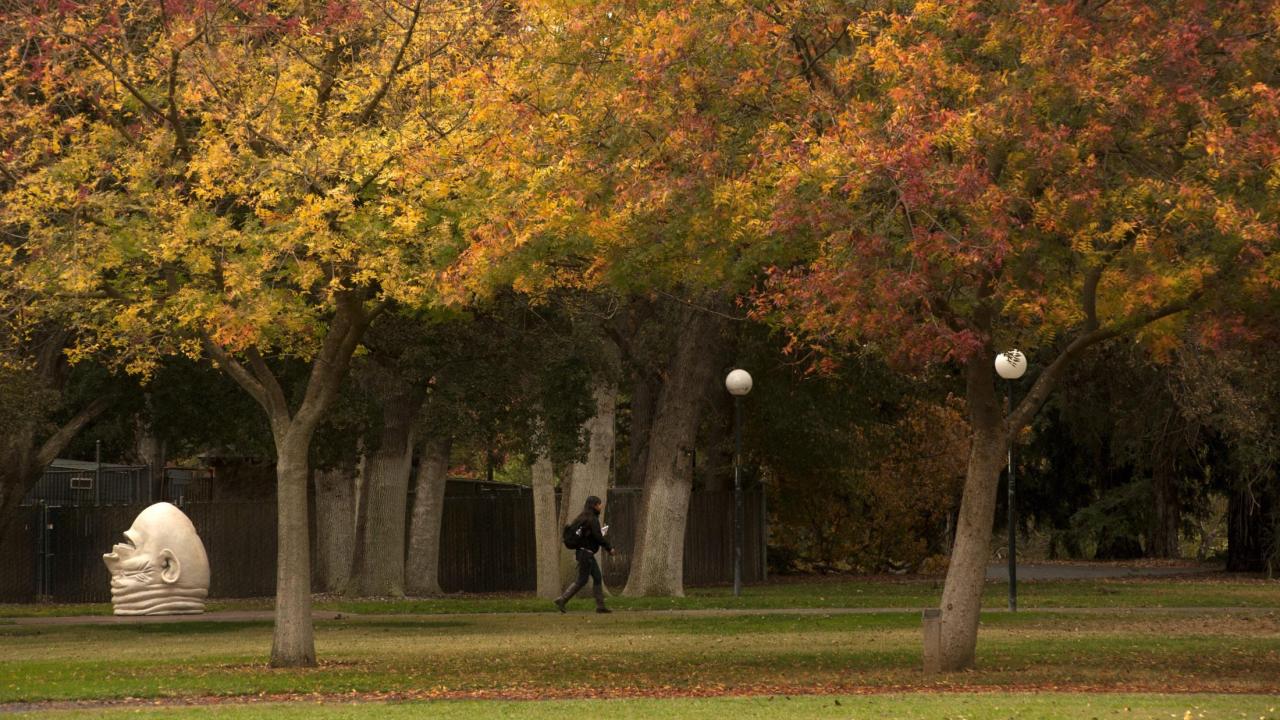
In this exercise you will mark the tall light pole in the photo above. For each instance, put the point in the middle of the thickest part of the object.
(1011, 365)
(738, 383)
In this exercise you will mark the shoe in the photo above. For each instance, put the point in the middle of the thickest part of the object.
(603, 610)
(559, 604)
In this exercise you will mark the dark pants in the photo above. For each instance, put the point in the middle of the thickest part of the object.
(587, 568)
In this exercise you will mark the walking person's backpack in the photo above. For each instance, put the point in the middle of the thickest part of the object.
(573, 535)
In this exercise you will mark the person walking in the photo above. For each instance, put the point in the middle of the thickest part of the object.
(586, 527)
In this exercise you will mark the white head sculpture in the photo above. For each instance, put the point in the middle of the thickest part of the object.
(162, 568)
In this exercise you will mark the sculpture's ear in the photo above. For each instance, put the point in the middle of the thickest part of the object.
(170, 568)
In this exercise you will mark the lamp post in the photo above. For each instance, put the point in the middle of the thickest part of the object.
(738, 383)
(1011, 365)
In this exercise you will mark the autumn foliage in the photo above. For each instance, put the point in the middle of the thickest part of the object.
(981, 170)
(929, 182)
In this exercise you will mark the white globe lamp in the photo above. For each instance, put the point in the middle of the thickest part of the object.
(738, 383)
(1011, 365)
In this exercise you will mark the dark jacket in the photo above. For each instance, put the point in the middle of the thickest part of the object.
(592, 538)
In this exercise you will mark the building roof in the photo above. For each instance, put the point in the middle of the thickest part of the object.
(89, 465)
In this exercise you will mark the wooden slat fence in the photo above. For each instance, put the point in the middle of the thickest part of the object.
(486, 542)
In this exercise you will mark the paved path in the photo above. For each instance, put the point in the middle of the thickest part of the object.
(1093, 571)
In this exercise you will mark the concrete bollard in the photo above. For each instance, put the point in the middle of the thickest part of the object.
(932, 641)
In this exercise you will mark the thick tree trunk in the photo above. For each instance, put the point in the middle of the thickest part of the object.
(293, 644)
(1166, 510)
(546, 538)
(644, 398)
(657, 565)
(335, 527)
(422, 575)
(590, 477)
(13, 486)
(377, 565)
(967, 570)
(18, 474)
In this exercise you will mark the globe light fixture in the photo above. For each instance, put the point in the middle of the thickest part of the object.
(738, 383)
(1011, 364)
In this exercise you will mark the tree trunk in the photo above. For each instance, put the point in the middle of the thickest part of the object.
(1166, 515)
(657, 565)
(991, 436)
(335, 527)
(18, 474)
(23, 457)
(293, 643)
(644, 396)
(967, 570)
(715, 463)
(377, 566)
(13, 487)
(590, 477)
(422, 576)
(546, 538)
(152, 452)
(1253, 528)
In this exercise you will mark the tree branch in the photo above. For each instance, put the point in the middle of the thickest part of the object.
(238, 372)
(328, 71)
(1031, 404)
(106, 65)
(59, 440)
(181, 145)
(811, 67)
(332, 362)
(270, 385)
(1089, 297)
(372, 105)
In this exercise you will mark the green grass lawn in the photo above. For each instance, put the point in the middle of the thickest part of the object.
(581, 654)
(837, 593)
(474, 656)
(1045, 706)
